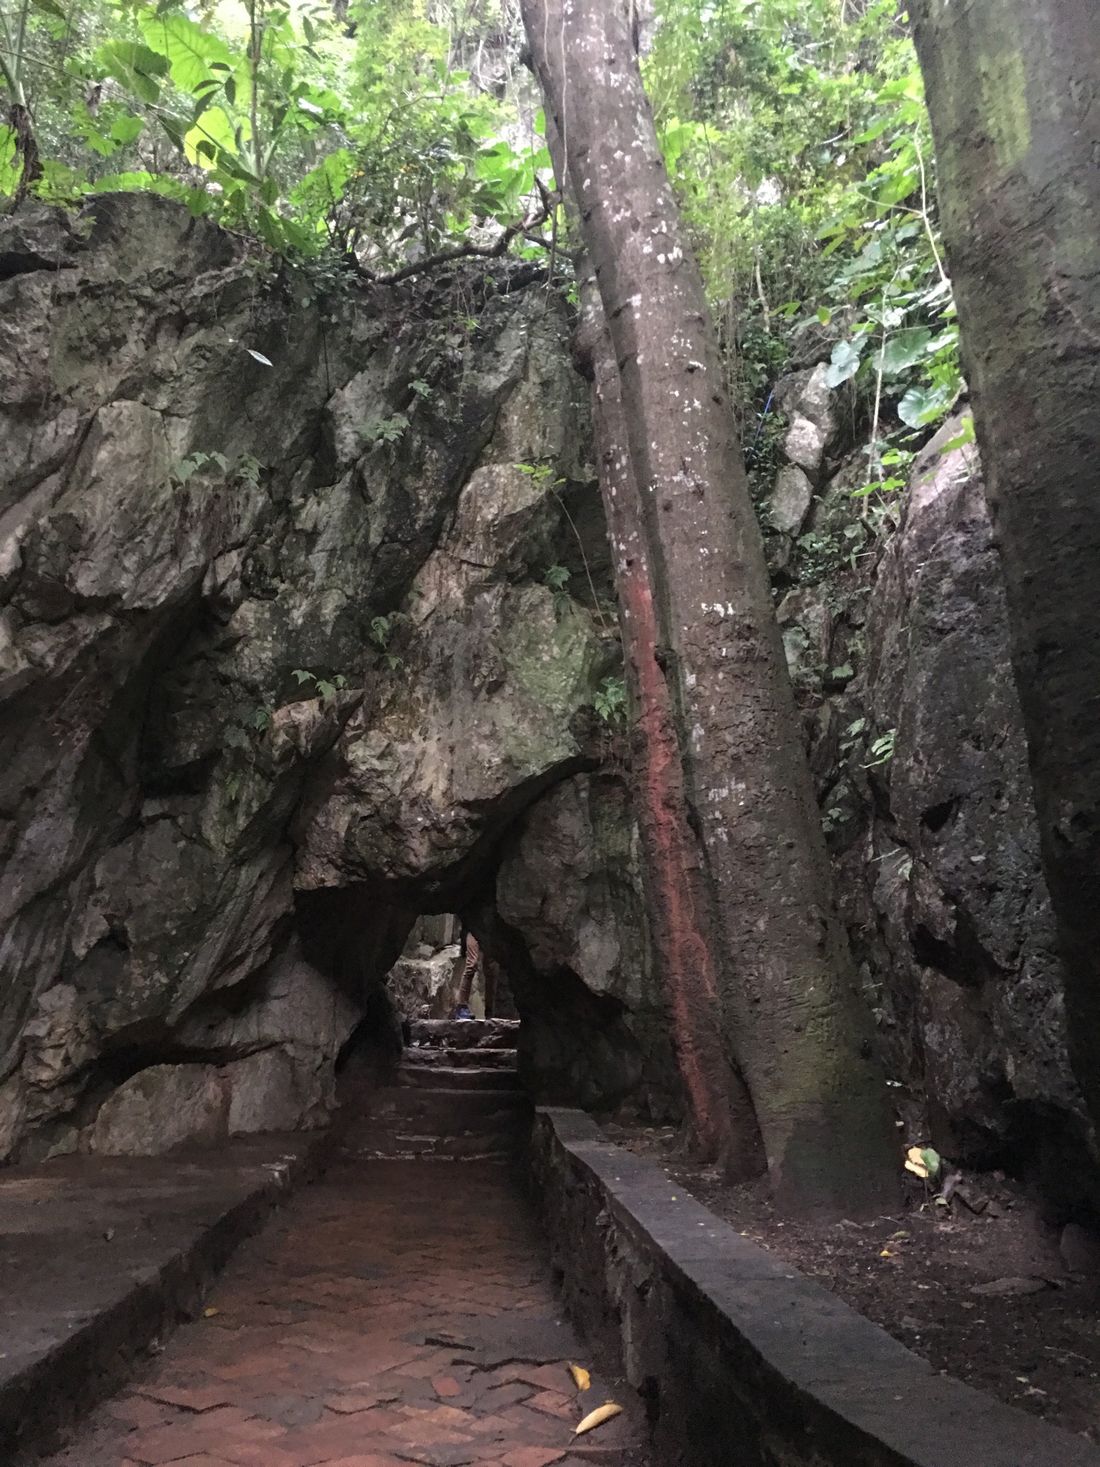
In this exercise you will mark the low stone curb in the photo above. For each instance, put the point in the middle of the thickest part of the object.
(100, 1257)
(741, 1359)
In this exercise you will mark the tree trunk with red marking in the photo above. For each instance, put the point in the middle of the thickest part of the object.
(677, 892)
(798, 1025)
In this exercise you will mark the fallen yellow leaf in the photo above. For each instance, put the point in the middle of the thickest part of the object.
(581, 1378)
(597, 1417)
(915, 1163)
(210, 1311)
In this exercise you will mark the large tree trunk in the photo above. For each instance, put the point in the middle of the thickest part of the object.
(1014, 93)
(799, 1027)
(681, 917)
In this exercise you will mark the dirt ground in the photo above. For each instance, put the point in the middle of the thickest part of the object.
(990, 1296)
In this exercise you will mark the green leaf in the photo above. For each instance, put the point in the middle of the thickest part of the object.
(126, 128)
(191, 50)
(923, 405)
(9, 174)
(844, 364)
(210, 138)
(961, 439)
(134, 66)
(904, 348)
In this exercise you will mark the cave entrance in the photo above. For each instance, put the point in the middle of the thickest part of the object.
(445, 971)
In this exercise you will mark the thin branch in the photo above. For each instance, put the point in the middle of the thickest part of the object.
(924, 212)
(466, 251)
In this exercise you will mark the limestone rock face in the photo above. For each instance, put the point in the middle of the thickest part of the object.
(900, 661)
(419, 984)
(278, 650)
(291, 654)
(570, 887)
(975, 994)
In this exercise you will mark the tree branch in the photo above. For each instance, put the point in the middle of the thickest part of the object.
(467, 251)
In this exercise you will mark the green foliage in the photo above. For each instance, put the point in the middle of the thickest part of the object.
(384, 432)
(882, 749)
(325, 688)
(797, 138)
(381, 630)
(610, 700)
(312, 131)
(246, 469)
(557, 577)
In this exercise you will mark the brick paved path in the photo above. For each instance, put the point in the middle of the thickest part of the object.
(396, 1313)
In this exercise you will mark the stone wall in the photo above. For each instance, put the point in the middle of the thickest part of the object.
(737, 1356)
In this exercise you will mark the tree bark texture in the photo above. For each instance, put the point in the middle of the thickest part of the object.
(799, 1027)
(26, 150)
(1014, 94)
(681, 918)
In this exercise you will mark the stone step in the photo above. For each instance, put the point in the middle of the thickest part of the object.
(455, 1077)
(423, 1058)
(386, 1144)
(465, 1033)
(449, 1110)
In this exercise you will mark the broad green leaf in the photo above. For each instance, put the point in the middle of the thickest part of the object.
(138, 181)
(190, 49)
(211, 136)
(9, 174)
(126, 128)
(844, 364)
(923, 405)
(905, 348)
(138, 68)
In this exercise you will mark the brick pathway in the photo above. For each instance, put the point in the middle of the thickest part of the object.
(396, 1313)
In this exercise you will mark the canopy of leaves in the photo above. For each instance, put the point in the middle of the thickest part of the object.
(311, 126)
(797, 137)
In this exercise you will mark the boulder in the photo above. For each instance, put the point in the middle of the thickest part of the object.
(162, 1108)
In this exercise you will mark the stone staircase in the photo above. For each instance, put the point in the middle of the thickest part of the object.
(456, 1097)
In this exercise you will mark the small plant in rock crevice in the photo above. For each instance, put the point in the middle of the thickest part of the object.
(882, 749)
(384, 432)
(325, 688)
(246, 469)
(610, 701)
(557, 577)
(381, 630)
(543, 474)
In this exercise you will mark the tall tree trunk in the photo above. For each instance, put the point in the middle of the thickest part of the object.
(678, 894)
(799, 1027)
(1014, 94)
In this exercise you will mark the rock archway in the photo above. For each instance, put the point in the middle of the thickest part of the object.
(293, 648)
